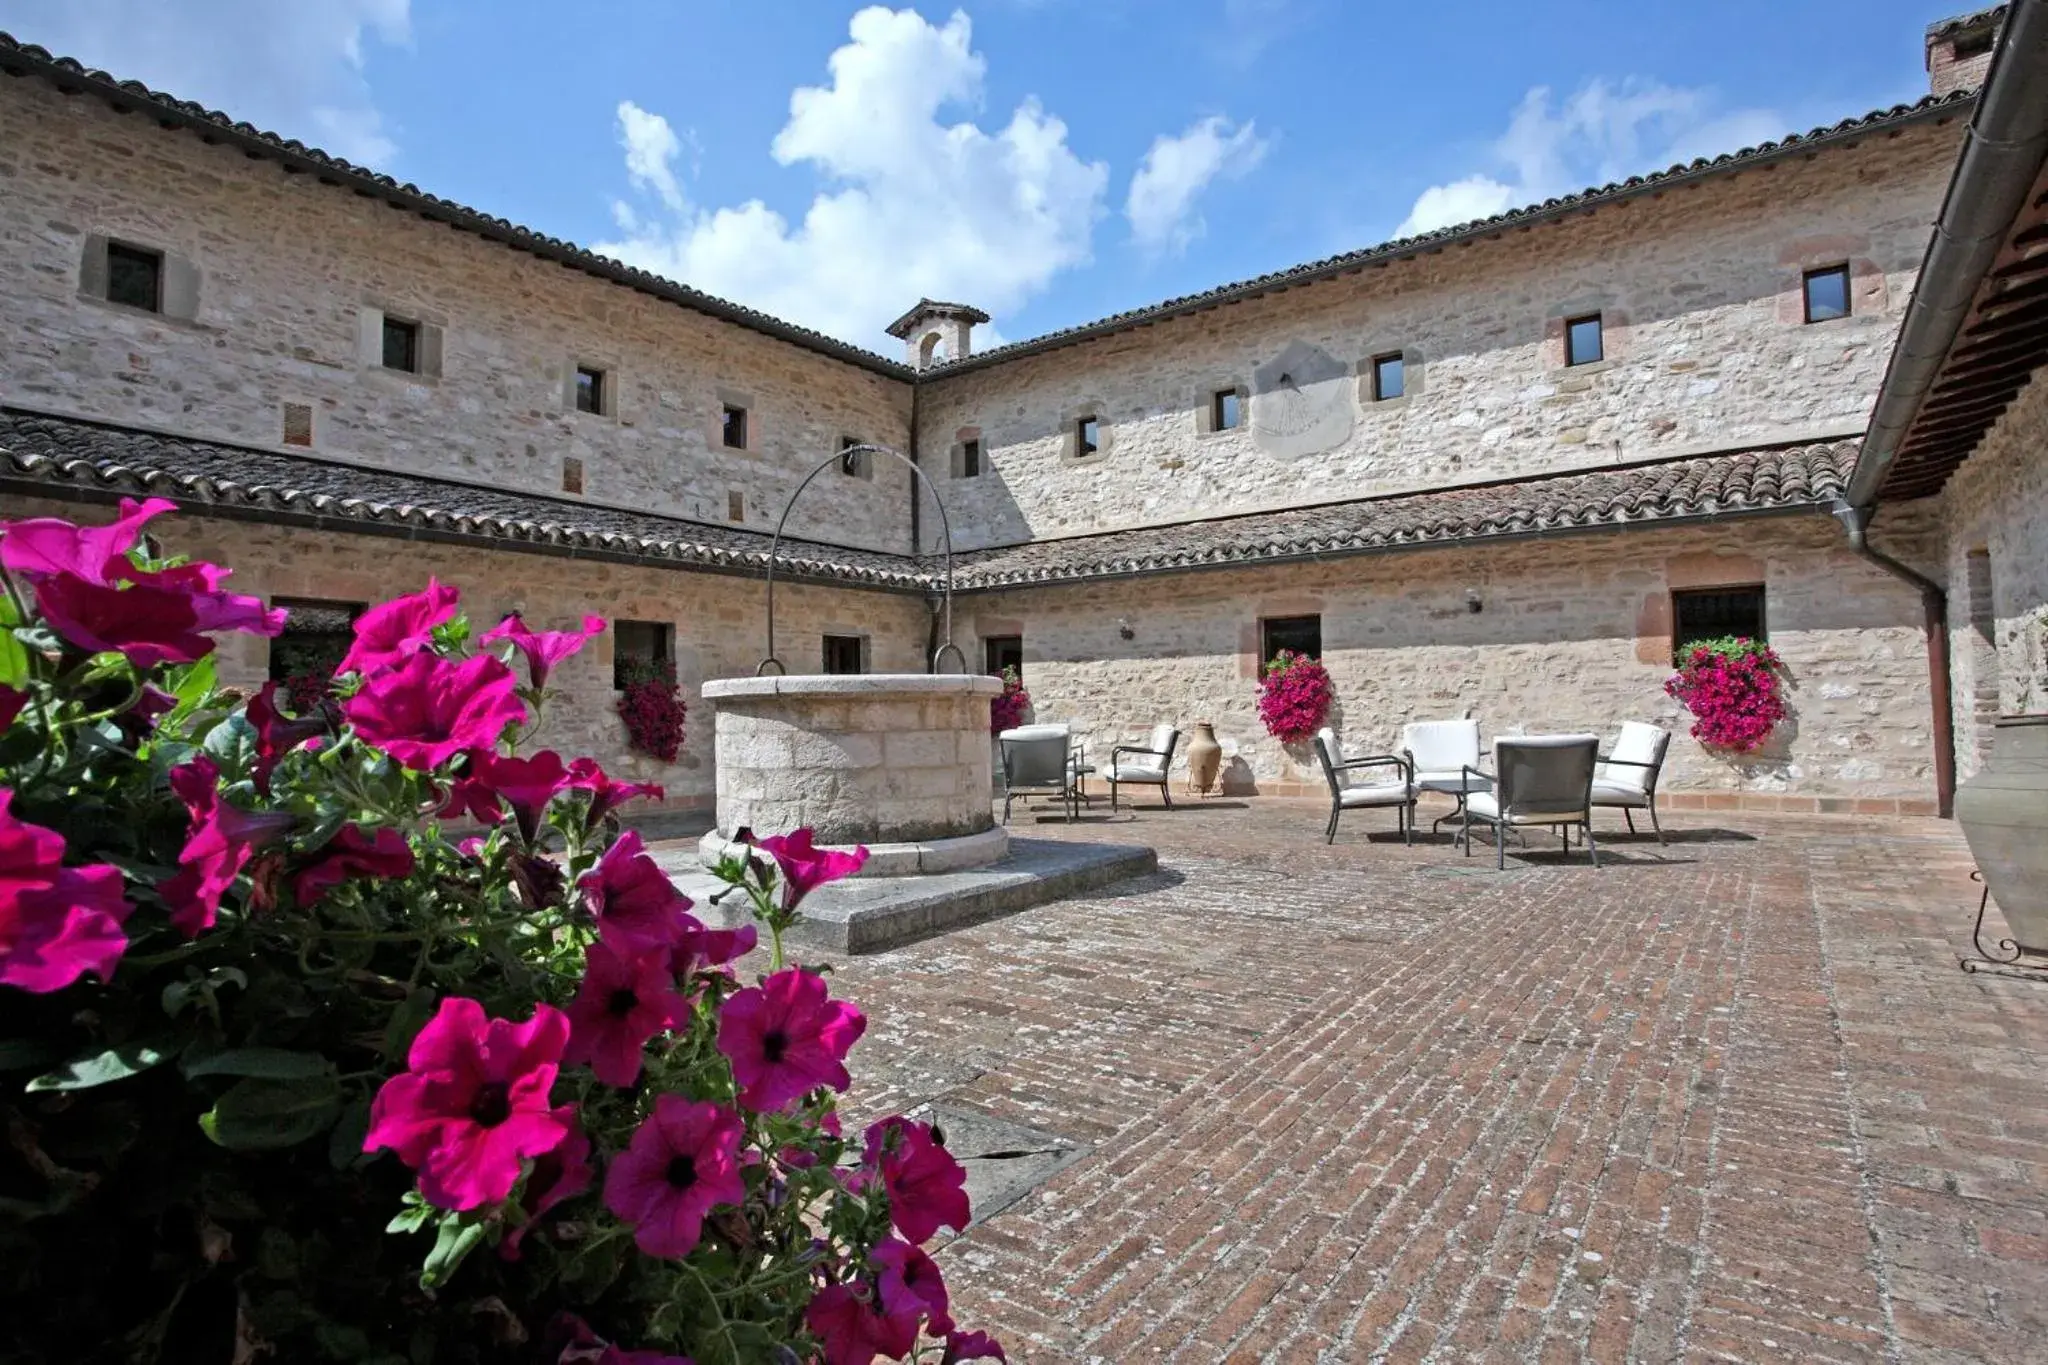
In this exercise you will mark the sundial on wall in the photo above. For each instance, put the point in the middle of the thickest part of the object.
(1301, 402)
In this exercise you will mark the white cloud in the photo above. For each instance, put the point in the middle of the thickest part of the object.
(1602, 132)
(1161, 203)
(651, 149)
(295, 69)
(915, 206)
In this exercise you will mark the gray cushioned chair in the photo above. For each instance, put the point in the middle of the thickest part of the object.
(1537, 780)
(1348, 792)
(1146, 765)
(1036, 763)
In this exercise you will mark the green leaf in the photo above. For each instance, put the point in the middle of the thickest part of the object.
(270, 1063)
(345, 1140)
(406, 1021)
(191, 684)
(410, 1219)
(9, 617)
(14, 670)
(458, 1237)
(258, 1115)
(98, 1068)
(19, 1054)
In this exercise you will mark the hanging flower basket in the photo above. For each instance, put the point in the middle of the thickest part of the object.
(652, 707)
(1735, 689)
(1007, 711)
(1294, 696)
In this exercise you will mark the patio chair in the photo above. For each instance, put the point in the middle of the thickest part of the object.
(1541, 780)
(1627, 775)
(1035, 763)
(1144, 765)
(1347, 793)
(1443, 756)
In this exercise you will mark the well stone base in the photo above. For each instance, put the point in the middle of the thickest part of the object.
(897, 860)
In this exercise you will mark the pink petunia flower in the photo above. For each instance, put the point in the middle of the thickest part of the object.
(51, 545)
(971, 1346)
(636, 906)
(854, 1329)
(524, 784)
(560, 1173)
(543, 649)
(786, 1037)
(153, 618)
(701, 949)
(909, 1283)
(683, 1160)
(606, 795)
(56, 922)
(276, 733)
(805, 867)
(473, 1103)
(392, 632)
(426, 710)
(623, 1002)
(927, 1188)
(219, 845)
(384, 854)
(11, 702)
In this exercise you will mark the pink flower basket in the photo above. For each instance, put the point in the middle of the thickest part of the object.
(1294, 696)
(1735, 691)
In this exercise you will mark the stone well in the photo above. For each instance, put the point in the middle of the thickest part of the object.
(896, 761)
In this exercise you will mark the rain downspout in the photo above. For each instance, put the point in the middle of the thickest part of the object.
(1934, 624)
(931, 601)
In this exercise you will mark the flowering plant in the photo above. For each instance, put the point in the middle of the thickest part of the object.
(652, 707)
(1006, 711)
(289, 1071)
(1734, 689)
(1294, 696)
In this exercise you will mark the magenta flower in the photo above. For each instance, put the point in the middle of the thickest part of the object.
(51, 545)
(544, 649)
(56, 922)
(786, 1037)
(276, 733)
(606, 795)
(804, 867)
(384, 855)
(562, 1172)
(927, 1188)
(683, 1160)
(701, 949)
(525, 784)
(392, 632)
(623, 1002)
(467, 796)
(11, 702)
(854, 1330)
(473, 1103)
(909, 1284)
(151, 618)
(971, 1346)
(426, 710)
(636, 906)
(219, 845)
(1295, 694)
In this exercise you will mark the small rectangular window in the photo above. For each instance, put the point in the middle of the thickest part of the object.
(1716, 614)
(1582, 341)
(735, 429)
(589, 389)
(1389, 378)
(135, 277)
(1226, 410)
(1973, 44)
(1300, 634)
(970, 459)
(642, 651)
(735, 505)
(1087, 437)
(1000, 652)
(1827, 293)
(316, 637)
(843, 654)
(401, 345)
(298, 424)
(853, 462)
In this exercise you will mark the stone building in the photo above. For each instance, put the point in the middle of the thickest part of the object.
(1505, 468)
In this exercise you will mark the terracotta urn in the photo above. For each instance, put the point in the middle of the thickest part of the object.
(2004, 814)
(1205, 756)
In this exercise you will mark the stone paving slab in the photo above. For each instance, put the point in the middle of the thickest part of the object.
(866, 915)
(1725, 1100)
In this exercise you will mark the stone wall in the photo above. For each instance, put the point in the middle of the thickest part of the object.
(284, 268)
(1572, 634)
(1992, 514)
(1705, 338)
(718, 619)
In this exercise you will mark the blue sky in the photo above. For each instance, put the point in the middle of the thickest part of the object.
(1048, 160)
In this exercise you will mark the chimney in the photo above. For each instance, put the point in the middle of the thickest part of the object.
(934, 333)
(1959, 50)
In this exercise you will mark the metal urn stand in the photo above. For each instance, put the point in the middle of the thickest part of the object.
(2008, 958)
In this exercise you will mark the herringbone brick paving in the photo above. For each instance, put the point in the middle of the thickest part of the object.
(1726, 1101)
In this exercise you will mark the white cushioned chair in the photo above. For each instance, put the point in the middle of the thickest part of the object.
(1539, 780)
(1349, 792)
(1627, 776)
(1036, 763)
(1145, 765)
(1443, 756)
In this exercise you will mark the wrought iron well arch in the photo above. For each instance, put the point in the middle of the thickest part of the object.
(946, 548)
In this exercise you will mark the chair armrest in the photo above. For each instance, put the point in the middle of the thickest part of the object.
(1135, 749)
(1628, 762)
(1380, 761)
(1466, 772)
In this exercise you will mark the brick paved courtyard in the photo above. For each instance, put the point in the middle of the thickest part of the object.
(1366, 1102)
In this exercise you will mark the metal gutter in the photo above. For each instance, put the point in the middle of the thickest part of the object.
(2001, 156)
